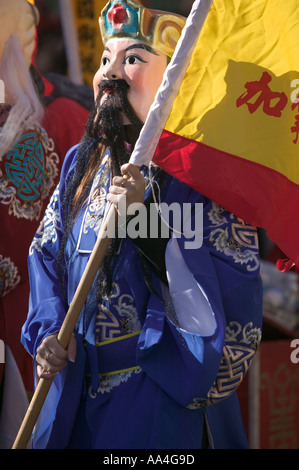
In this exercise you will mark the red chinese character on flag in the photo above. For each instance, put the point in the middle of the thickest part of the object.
(265, 96)
(295, 128)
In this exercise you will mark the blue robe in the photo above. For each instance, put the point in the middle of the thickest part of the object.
(142, 377)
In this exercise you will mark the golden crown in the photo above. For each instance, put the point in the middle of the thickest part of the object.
(127, 18)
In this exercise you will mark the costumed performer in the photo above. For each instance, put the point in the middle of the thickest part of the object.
(168, 330)
(35, 135)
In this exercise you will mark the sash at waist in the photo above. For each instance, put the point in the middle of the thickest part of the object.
(118, 355)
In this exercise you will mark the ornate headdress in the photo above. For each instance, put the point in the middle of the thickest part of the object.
(129, 19)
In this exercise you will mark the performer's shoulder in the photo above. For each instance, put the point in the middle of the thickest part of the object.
(69, 160)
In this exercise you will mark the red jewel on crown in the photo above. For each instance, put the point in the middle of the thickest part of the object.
(118, 16)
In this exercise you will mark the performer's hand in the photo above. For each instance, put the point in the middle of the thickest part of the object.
(131, 185)
(51, 357)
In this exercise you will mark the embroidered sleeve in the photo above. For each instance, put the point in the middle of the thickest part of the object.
(47, 305)
(196, 362)
(49, 226)
(234, 247)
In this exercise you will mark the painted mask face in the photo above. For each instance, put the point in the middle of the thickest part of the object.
(139, 65)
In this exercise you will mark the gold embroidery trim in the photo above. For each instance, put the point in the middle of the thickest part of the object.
(114, 372)
(118, 338)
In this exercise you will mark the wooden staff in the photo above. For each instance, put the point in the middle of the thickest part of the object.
(67, 327)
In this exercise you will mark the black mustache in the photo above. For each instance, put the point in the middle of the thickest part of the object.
(118, 89)
(118, 86)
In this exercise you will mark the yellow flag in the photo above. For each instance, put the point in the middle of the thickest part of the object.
(246, 65)
(233, 132)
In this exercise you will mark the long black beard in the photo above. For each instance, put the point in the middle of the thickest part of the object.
(104, 129)
(117, 139)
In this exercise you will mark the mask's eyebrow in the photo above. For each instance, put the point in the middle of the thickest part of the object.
(142, 46)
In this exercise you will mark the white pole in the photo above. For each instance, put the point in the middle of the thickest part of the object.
(158, 114)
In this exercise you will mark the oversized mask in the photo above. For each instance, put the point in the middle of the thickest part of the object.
(125, 26)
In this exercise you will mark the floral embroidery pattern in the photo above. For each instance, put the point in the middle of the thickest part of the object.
(50, 224)
(95, 210)
(120, 318)
(9, 276)
(97, 203)
(240, 241)
(109, 382)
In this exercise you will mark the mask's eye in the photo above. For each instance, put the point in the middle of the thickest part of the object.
(105, 61)
(133, 59)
